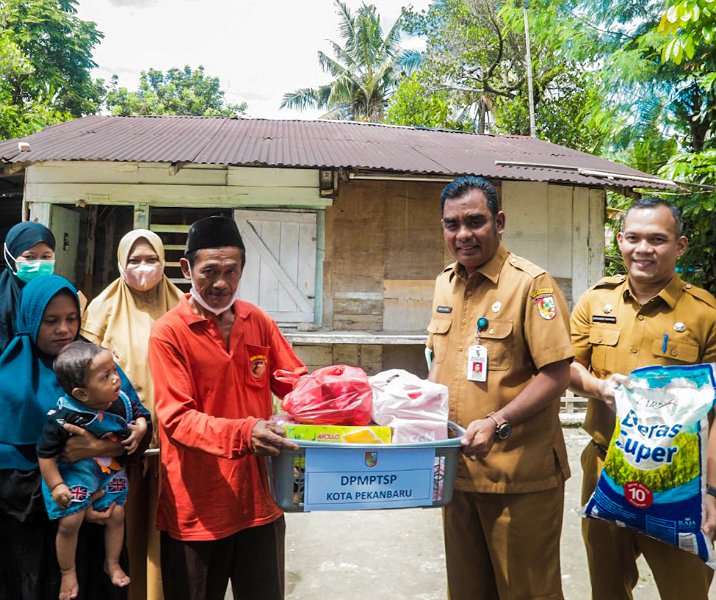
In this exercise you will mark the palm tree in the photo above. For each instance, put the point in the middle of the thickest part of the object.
(366, 69)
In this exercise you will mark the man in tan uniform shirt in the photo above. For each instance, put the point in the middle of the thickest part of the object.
(503, 526)
(649, 317)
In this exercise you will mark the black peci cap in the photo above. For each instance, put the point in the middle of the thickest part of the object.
(213, 232)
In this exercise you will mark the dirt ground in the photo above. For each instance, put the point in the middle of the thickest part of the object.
(398, 554)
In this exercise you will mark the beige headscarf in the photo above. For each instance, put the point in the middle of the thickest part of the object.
(120, 318)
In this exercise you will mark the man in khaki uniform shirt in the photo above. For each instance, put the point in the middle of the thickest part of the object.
(503, 526)
(650, 317)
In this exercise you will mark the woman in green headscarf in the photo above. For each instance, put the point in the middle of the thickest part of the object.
(120, 319)
(48, 318)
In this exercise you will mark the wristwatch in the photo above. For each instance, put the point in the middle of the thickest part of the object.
(711, 490)
(503, 429)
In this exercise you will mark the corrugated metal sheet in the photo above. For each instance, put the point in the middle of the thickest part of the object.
(311, 144)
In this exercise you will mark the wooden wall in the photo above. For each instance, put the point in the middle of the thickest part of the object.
(384, 249)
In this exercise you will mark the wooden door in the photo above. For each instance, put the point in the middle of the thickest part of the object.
(280, 271)
(65, 225)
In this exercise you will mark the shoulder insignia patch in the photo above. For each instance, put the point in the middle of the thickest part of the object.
(545, 303)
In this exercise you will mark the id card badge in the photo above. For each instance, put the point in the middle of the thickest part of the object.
(477, 363)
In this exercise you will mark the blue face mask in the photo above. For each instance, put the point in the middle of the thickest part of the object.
(29, 269)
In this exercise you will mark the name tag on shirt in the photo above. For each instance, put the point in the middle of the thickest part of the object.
(477, 363)
(603, 319)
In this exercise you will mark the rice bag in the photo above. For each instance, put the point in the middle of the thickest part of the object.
(416, 409)
(654, 476)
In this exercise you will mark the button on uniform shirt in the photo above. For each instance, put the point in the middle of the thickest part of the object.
(527, 329)
(208, 400)
(613, 333)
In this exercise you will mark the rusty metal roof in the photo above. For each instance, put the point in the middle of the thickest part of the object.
(364, 147)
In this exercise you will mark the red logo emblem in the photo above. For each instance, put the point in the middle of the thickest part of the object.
(371, 459)
(638, 495)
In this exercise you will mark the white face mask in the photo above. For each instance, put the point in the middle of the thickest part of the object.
(143, 277)
(203, 303)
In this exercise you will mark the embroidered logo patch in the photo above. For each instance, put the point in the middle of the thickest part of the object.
(258, 366)
(546, 305)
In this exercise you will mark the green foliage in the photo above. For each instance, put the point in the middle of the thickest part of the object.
(184, 91)
(366, 68)
(690, 25)
(683, 469)
(415, 105)
(698, 208)
(45, 64)
(475, 63)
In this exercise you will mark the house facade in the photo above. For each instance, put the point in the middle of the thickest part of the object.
(341, 220)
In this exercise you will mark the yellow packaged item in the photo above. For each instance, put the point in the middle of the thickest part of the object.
(339, 434)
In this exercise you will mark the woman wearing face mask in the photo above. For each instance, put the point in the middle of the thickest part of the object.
(29, 251)
(120, 319)
(48, 318)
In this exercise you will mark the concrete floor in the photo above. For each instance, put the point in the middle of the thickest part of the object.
(398, 554)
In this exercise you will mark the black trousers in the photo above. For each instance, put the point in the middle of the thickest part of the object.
(28, 565)
(252, 559)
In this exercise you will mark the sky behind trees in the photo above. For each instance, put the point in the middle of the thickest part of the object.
(259, 49)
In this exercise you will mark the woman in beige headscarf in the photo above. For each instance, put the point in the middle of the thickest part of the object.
(120, 319)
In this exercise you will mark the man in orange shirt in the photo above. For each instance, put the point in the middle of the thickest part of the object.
(212, 358)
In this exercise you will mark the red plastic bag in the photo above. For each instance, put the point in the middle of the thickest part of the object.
(335, 395)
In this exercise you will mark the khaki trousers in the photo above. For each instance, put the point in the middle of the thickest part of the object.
(612, 552)
(504, 546)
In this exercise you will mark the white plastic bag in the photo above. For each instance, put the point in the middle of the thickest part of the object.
(416, 409)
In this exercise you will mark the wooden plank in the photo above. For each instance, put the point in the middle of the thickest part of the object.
(410, 358)
(359, 307)
(314, 356)
(307, 217)
(526, 209)
(104, 172)
(412, 222)
(197, 196)
(559, 231)
(159, 228)
(288, 259)
(269, 236)
(351, 322)
(273, 177)
(597, 214)
(346, 354)
(248, 233)
(408, 304)
(580, 241)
